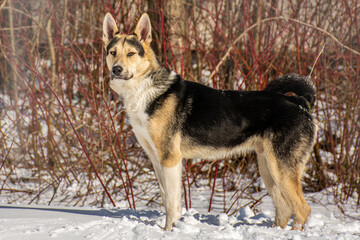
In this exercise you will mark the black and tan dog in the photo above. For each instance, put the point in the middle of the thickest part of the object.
(173, 118)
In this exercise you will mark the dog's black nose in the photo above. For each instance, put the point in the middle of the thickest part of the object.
(116, 70)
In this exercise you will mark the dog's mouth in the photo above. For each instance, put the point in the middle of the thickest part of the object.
(121, 77)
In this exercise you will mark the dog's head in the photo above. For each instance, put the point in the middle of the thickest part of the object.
(128, 56)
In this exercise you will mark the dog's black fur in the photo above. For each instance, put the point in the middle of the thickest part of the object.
(225, 118)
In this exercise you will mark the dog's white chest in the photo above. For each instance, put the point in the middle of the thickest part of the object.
(139, 122)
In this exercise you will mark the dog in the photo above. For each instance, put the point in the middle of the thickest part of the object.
(173, 119)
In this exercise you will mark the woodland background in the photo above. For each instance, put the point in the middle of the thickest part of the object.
(64, 137)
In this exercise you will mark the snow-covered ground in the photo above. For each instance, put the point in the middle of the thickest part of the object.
(44, 222)
(61, 222)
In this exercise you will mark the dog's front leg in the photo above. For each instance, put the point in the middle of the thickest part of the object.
(169, 178)
(168, 172)
(171, 181)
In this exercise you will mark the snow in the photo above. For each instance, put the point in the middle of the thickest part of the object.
(63, 222)
(51, 222)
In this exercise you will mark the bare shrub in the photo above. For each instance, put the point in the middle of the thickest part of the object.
(64, 137)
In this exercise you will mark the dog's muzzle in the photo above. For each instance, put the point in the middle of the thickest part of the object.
(118, 73)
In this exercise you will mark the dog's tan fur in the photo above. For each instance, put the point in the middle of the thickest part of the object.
(166, 145)
(160, 129)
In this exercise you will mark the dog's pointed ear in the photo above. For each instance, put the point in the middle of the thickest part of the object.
(143, 28)
(109, 28)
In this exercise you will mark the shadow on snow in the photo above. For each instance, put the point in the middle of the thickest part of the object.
(149, 217)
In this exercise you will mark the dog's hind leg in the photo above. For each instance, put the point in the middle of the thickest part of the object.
(292, 189)
(284, 185)
(283, 209)
(301, 208)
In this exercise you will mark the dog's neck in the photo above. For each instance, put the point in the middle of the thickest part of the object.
(146, 89)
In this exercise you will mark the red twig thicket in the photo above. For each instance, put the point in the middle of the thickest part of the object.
(64, 136)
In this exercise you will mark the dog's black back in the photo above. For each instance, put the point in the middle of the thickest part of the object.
(227, 118)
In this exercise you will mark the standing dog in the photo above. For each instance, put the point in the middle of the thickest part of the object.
(173, 118)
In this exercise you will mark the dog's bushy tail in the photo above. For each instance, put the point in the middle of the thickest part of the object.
(302, 86)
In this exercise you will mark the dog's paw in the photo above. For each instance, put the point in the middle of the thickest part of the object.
(297, 226)
(168, 229)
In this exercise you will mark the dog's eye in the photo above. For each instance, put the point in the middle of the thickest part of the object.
(113, 53)
(130, 54)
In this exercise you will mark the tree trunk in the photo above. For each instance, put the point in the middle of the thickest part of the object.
(176, 17)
